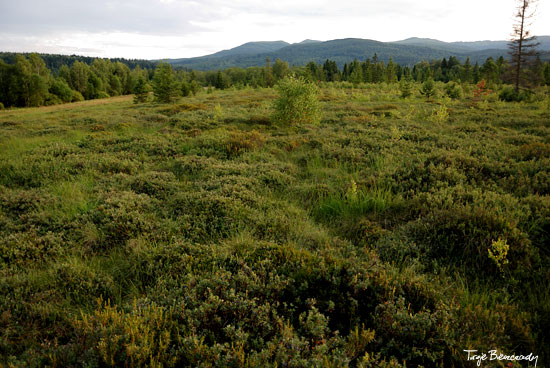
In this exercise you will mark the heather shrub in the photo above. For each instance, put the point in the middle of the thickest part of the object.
(239, 142)
(120, 216)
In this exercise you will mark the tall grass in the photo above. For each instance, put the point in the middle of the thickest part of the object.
(355, 203)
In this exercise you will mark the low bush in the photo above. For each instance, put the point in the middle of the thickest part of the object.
(537, 150)
(509, 94)
(297, 102)
(239, 142)
(453, 90)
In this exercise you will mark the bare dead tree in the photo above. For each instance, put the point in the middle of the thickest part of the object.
(522, 46)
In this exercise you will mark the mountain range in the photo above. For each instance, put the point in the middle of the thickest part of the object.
(404, 52)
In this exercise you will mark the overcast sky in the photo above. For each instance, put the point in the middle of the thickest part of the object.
(157, 29)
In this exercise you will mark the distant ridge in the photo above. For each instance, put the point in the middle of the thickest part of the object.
(253, 48)
(405, 52)
(309, 41)
(429, 42)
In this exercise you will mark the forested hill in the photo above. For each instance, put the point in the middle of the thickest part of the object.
(54, 62)
(406, 52)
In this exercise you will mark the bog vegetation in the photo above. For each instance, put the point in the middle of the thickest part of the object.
(409, 222)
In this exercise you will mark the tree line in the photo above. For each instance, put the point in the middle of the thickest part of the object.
(27, 81)
(55, 61)
(445, 70)
(373, 70)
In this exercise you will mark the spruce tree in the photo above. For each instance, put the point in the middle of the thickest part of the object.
(391, 75)
(405, 85)
(367, 71)
(140, 91)
(221, 81)
(467, 71)
(164, 84)
(331, 71)
(356, 73)
(547, 74)
(185, 88)
(522, 46)
(268, 77)
(428, 89)
(476, 73)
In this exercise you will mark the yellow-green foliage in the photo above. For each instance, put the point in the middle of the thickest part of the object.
(137, 338)
(218, 112)
(440, 115)
(498, 252)
(297, 102)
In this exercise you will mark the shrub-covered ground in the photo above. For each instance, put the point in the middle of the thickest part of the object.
(397, 232)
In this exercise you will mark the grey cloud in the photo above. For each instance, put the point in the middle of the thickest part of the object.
(139, 16)
(181, 17)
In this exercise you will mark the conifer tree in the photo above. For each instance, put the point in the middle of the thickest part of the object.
(367, 71)
(331, 71)
(476, 73)
(391, 75)
(467, 71)
(164, 84)
(140, 91)
(405, 86)
(185, 88)
(221, 81)
(428, 89)
(490, 71)
(345, 72)
(523, 44)
(269, 81)
(547, 74)
(356, 74)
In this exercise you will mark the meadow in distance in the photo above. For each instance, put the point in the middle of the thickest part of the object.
(375, 216)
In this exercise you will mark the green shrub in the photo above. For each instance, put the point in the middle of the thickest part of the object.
(102, 94)
(509, 94)
(154, 184)
(463, 236)
(428, 89)
(297, 103)
(239, 142)
(405, 86)
(121, 216)
(77, 97)
(184, 107)
(61, 89)
(52, 100)
(535, 150)
(80, 283)
(138, 337)
(425, 337)
(453, 90)
(24, 248)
